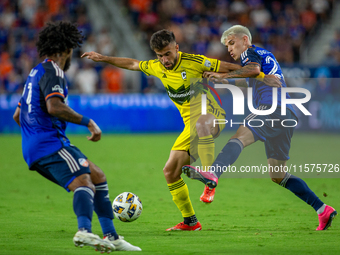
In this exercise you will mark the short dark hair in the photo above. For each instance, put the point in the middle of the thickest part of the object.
(58, 37)
(161, 39)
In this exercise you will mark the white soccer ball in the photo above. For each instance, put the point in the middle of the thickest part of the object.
(127, 207)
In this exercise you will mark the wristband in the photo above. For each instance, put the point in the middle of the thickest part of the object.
(84, 121)
(261, 75)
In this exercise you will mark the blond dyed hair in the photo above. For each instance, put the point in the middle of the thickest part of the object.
(236, 30)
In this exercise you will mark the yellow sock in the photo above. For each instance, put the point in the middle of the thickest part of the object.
(180, 195)
(206, 151)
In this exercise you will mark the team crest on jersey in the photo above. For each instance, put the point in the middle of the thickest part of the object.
(184, 75)
(207, 63)
(83, 162)
(58, 88)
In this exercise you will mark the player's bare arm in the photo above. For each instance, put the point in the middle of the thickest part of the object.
(125, 63)
(16, 116)
(57, 108)
(226, 67)
(248, 71)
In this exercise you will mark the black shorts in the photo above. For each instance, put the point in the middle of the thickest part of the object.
(275, 130)
(63, 166)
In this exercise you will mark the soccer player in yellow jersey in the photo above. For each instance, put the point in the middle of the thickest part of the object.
(176, 69)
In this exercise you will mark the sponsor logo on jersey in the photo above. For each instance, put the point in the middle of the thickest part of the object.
(245, 60)
(83, 162)
(180, 95)
(207, 63)
(184, 75)
(58, 88)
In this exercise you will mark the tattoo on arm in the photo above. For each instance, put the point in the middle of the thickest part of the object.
(244, 72)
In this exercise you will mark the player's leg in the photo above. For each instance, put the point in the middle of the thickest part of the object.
(277, 150)
(179, 190)
(103, 209)
(232, 150)
(206, 131)
(296, 185)
(68, 168)
(228, 155)
(102, 203)
(83, 206)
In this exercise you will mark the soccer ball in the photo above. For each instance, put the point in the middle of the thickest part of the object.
(127, 207)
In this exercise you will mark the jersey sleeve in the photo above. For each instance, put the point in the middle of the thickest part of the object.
(251, 57)
(210, 64)
(148, 67)
(19, 103)
(52, 85)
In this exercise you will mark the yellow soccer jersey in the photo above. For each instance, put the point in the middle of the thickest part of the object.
(189, 68)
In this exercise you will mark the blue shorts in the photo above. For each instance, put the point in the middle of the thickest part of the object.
(63, 166)
(270, 130)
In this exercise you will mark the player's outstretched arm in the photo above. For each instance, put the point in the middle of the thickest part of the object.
(226, 67)
(125, 63)
(57, 108)
(16, 115)
(248, 71)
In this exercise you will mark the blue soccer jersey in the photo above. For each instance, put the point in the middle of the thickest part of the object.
(42, 133)
(262, 93)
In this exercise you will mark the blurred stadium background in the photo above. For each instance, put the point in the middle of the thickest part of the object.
(304, 35)
(249, 215)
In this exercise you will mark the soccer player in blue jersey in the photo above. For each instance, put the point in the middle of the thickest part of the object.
(43, 115)
(276, 138)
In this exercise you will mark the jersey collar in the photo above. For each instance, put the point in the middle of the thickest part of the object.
(178, 62)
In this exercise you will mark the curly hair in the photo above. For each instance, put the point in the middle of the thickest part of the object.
(161, 39)
(58, 37)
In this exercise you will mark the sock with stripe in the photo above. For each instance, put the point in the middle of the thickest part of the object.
(206, 151)
(227, 156)
(103, 208)
(83, 207)
(301, 190)
(180, 195)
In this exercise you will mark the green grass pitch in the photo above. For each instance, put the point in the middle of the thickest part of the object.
(248, 216)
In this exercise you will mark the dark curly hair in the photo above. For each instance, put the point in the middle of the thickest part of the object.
(161, 39)
(58, 37)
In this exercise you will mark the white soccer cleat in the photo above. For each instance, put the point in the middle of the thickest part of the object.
(84, 238)
(122, 245)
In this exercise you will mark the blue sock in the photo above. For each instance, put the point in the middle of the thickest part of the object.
(227, 156)
(301, 190)
(103, 208)
(83, 207)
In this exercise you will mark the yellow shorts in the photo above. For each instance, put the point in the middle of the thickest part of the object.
(189, 133)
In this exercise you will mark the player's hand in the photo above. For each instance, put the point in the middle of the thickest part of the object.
(93, 56)
(216, 78)
(272, 81)
(210, 75)
(96, 133)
